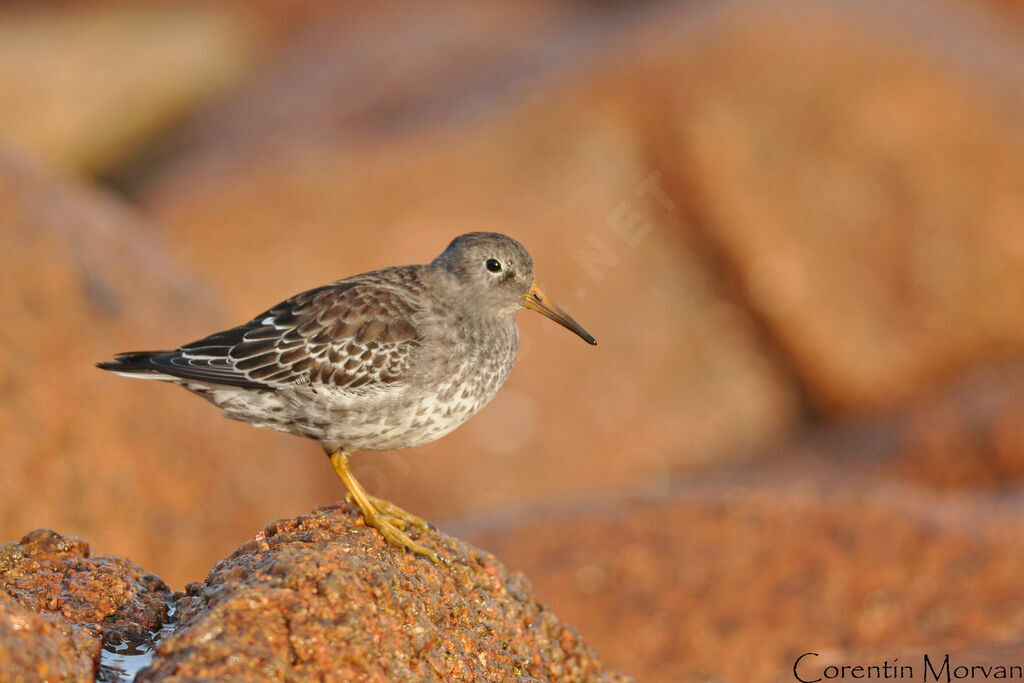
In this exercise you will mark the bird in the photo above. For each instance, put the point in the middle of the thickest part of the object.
(390, 359)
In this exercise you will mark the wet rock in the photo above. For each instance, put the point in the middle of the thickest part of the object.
(38, 646)
(59, 606)
(47, 572)
(321, 594)
(324, 594)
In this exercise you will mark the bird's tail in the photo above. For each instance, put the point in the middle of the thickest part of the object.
(136, 364)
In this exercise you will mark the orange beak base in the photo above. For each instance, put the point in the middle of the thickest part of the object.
(536, 300)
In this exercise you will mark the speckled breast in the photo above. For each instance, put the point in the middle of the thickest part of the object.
(450, 389)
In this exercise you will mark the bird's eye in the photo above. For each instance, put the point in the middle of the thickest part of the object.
(493, 265)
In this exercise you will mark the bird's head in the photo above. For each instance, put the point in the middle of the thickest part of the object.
(495, 273)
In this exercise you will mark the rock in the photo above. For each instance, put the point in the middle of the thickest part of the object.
(732, 575)
(967, 435)
(59, 606)
(888, 535)
(43, 647)
(869, 204)
(333, 84)
(47, 572)
(106, 458)
(318, 595)
(322, 594)
(85, 87)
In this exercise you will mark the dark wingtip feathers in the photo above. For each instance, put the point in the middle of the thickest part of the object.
(139, 362)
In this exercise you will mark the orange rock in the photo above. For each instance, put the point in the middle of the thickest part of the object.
(866, 185)
(103, 596)
(734, 575)
(321, 594)
(43, 647)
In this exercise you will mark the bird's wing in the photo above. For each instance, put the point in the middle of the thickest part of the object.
(346, 335)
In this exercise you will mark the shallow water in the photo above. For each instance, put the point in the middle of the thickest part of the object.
(121, 662)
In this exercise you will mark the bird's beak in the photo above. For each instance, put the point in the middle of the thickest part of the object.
(537, 300)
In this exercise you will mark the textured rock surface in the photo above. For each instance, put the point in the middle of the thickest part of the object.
(59, 606)
(323, 593)
(47, 572)
(318, 595)
(43, 647)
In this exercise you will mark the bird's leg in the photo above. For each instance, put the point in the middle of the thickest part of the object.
(390, 520)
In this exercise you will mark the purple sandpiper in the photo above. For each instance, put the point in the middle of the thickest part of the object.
(385, 360)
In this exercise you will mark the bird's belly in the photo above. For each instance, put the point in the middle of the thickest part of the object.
(381, 418)
(406, 419)
(390, 419)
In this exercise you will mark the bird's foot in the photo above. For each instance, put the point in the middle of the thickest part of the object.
(398, 516)
(390, 520)
(382, 517)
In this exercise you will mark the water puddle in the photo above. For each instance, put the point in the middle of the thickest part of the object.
(121, 662)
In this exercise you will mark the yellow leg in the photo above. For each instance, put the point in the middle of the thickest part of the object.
(387, 518)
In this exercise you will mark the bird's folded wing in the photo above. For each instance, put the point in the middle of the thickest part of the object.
(345, 335)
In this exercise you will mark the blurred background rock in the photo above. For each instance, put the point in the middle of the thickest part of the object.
(797, 230)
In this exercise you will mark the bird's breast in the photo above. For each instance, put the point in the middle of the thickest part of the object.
(461, 373)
